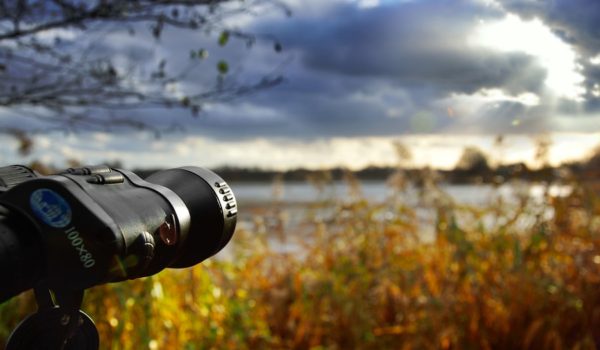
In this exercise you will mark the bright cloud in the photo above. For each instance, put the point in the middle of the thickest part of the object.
(533, 37)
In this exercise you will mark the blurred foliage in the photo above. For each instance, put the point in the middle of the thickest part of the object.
(519, 274)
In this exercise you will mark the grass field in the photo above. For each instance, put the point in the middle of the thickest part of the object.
(364, 279)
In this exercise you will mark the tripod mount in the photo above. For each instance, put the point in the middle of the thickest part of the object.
(57, 324)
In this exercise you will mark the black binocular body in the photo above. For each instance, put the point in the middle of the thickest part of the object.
(93, 225)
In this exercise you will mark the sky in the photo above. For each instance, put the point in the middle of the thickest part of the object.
(362, 75)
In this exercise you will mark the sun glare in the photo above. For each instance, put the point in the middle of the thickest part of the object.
(512, 34)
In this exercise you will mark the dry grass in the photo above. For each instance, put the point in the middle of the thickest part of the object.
(363, 279)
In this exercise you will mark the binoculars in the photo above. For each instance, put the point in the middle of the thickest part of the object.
(64, 233)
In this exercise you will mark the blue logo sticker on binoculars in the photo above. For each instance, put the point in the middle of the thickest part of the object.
(51, 208)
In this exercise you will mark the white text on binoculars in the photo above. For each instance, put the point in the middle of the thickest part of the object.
(76, 241)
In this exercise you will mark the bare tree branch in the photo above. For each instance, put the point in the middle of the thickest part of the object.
(68, 85)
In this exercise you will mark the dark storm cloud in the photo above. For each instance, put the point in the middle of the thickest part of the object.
(360, 72)
(577, 22)
(378, 71)
(416, 44)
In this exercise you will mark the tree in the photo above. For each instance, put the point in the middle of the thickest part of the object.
(473, 160)
(593, 162)
(54, 74)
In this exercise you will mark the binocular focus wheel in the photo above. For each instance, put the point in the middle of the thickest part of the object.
(45, 330)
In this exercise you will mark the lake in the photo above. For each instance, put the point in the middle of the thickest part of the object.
(292, 199)
(250, 194)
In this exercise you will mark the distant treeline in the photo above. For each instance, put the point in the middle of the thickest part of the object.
(584, 170)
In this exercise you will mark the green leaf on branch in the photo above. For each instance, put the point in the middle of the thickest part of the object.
(224, 38)
(223, 67)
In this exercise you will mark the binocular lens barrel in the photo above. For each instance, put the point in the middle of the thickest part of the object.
(212, 208)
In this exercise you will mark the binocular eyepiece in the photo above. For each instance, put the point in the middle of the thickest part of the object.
(93, 225)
